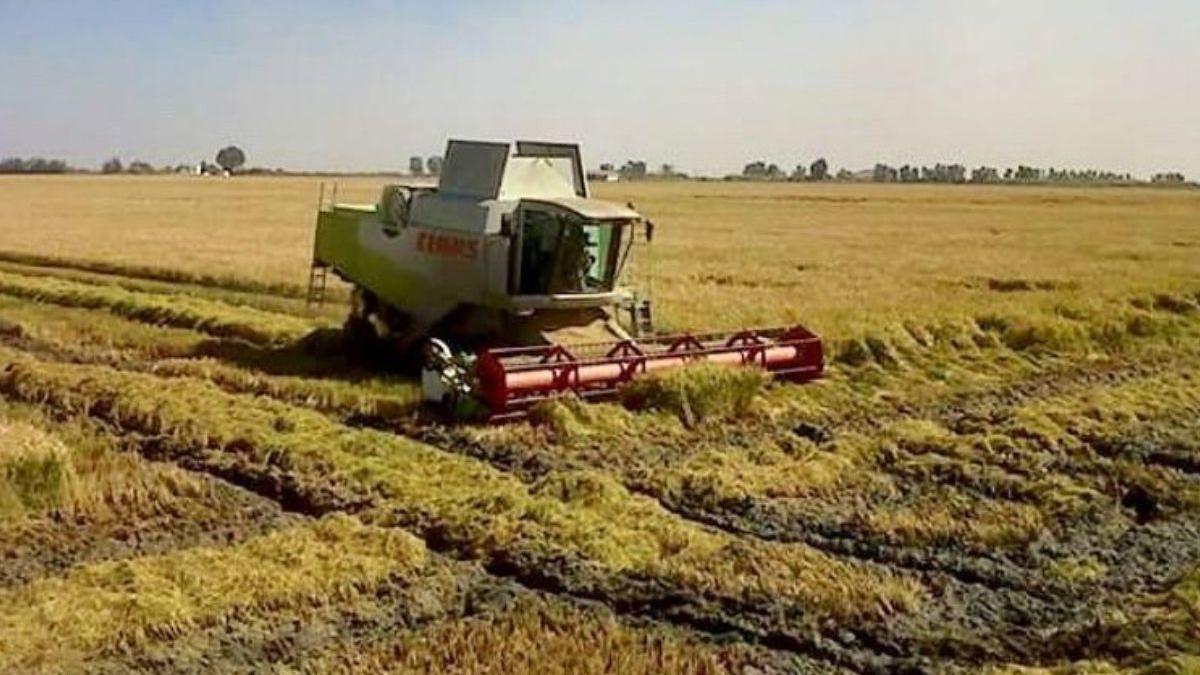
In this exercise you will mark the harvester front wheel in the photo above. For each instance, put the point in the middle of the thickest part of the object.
(361, 331)
(380, 333)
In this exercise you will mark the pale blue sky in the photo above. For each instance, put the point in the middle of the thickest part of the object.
(706, 85)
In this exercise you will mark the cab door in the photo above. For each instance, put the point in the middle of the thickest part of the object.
(536, 251)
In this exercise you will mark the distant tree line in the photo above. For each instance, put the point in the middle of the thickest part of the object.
(33, 165)
(957, 173)
(947, 173)
(228, 160)
(1169, 178)
(818, 170)
(637, 169)
(138, 167)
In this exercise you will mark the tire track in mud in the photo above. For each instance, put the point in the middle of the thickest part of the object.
(247, 639)
(999, 588)
(1005, 587)
(52, 545)
(446, 591)
(827, 536)
(569, 579)
(742, 518)
(714, 618)
(119, 507)
(296, 495)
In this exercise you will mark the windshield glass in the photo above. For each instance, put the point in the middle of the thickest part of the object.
(565, 253)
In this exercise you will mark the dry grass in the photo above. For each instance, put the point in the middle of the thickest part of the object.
(698, 392)
(480, 511)
(924, 293)
(536, 638)
(86, 336)
(847, 259)
(55, 624)
(35, 470)
(207, 316)
(77, 475)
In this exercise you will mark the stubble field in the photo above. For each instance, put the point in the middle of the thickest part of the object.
(1001, 471)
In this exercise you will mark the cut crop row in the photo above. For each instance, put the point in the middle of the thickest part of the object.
(191, 605)
(579, 532)
(81, 336)
(70, 496)
(534, 637)
(326, 597)
(61, 623)
(162, 274)
(206, 316)
(266, 302)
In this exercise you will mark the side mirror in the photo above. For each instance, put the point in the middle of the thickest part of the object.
(506, 226)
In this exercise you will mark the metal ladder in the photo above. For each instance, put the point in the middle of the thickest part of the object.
(318, 276)
(641, 321)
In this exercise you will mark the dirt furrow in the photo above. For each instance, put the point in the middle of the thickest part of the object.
(569, 575)
(38, 548)
(567, 578)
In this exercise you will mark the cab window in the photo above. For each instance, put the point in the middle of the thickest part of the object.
(565, 253)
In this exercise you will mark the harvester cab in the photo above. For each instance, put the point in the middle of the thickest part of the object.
(515, 282)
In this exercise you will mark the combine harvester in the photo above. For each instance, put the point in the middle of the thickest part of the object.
(507, 273)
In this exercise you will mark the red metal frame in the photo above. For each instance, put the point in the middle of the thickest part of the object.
(511, 379)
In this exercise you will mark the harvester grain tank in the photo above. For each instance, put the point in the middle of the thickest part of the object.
(516, 283)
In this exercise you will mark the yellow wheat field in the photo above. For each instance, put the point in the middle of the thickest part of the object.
(844, 258)
(999, 470)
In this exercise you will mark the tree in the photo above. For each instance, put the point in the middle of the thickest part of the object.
(800, 172)
(112, 166)
(667, 170)
(1172, 178)
(819, 170)
(756, 169)
(433, 165)
(33, 165)
(416, 165)
(1028, 174)
(633, 169)
(139, 167)
(985, 174)
(231, 158)
(884, 174)
(607, 166)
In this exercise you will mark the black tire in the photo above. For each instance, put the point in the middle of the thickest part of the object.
(367, 345)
